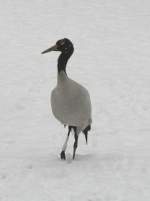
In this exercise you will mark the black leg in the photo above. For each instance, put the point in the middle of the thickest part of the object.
(75, 143)
(62, 154)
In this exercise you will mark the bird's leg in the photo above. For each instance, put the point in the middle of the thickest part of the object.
(76, 142)
(62, 154)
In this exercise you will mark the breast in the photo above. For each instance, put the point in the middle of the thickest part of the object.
(71, 104)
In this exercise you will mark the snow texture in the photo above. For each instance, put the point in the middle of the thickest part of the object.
(112, 60)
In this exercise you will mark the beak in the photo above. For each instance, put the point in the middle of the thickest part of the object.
(53, 48)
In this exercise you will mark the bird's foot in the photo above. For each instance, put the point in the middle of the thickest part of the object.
(62, 155)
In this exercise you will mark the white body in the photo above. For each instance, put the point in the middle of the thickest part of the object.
(71, 103)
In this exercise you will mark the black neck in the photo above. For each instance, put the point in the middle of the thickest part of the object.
(62, 61)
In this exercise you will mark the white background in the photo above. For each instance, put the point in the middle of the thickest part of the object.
(112, 60)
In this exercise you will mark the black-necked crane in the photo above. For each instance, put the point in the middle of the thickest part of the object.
(70, 101)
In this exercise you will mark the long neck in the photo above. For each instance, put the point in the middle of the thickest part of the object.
(62, 61)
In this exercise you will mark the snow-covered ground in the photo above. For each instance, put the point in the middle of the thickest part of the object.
(112, 59)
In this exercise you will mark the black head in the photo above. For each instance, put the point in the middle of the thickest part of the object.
(64, 45)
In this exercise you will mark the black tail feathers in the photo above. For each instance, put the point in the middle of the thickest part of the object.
(85, 131)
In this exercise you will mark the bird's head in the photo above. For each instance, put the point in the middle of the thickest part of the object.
(64, 45)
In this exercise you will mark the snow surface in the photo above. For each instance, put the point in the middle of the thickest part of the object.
(112, 59)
